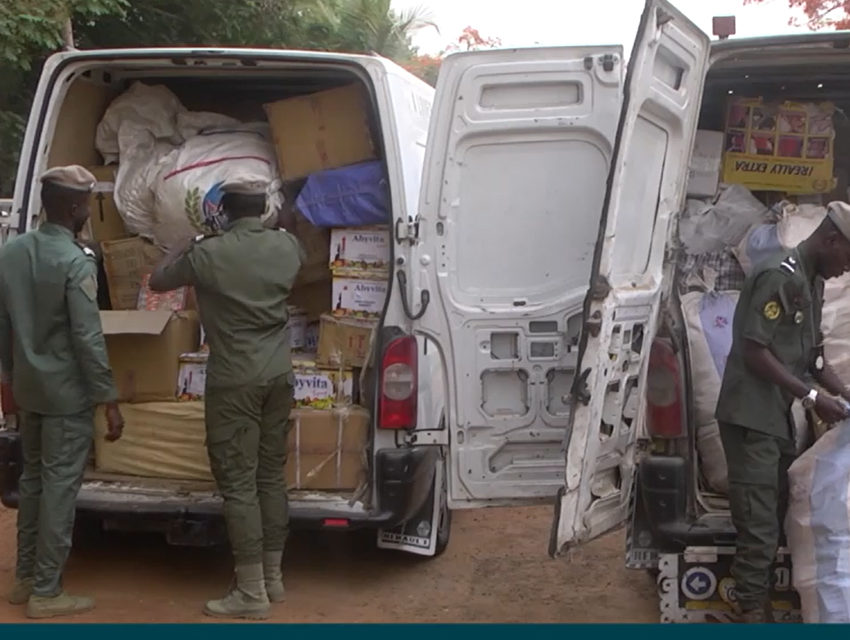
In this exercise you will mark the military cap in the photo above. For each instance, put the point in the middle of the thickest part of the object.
(246, 186)
(72, 177)
(839, 213)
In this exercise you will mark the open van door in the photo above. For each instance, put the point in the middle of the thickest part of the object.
(517, 158)
(645, 192)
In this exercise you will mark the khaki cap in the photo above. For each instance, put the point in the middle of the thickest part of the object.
(72, 177)
(246, 187)
(839, 213)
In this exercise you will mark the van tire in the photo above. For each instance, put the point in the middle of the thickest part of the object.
(444, 528)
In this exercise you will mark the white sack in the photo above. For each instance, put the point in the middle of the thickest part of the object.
(707, 226)
(712, 459)
(818, 527)
(151, 114)
(708, 323)
(186, 183)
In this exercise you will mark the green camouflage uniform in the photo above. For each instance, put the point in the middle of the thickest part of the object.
(780, 307)
(52, 343)
(243, 279)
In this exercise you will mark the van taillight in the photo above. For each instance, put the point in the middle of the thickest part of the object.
(399, 384)
(664, 414)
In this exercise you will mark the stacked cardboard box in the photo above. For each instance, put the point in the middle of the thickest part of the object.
(166, 440)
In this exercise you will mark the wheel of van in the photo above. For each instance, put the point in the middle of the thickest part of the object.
(444, 528)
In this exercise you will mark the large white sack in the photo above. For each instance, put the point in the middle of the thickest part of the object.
(798, 222)
(151, 114)
(186, 183)
(817, 527)
(712, 458)
(708, 323)
(711, 226)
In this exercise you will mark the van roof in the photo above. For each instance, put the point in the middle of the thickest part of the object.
(217, 52)
(837, 39)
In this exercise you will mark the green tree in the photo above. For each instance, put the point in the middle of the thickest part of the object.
(32, 29)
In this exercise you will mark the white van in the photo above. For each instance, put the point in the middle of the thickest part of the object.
(491, 262)
(544, 172)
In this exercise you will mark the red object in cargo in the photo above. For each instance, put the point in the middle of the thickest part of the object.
(7, 399)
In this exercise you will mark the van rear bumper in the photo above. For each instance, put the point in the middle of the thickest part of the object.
(403, 480)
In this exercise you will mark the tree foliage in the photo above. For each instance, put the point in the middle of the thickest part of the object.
(32, 29)
(427, 67)
(818, 14)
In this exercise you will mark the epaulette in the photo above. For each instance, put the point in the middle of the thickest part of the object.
(86, 250)
(204, 236)
(789, 265)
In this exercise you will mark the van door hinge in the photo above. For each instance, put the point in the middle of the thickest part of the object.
(407, 231)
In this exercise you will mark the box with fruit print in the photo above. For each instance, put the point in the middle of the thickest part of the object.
(319, 387)
(358, 297)
(359, 250)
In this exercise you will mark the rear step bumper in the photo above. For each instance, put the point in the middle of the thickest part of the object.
(403, 476)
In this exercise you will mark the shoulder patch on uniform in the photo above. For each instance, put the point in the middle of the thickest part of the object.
(89, 287)
(89, 252)
(788, 265)
(772, 310)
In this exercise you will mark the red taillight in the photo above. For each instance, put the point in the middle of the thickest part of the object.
(664, 415)
(399, 384)
(335, 523)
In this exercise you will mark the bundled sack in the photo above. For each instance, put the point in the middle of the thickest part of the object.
(794, 225)
(353, 196)
(708, 316)
(173, 163)
(818, 527)
(713, 225)
(187, 186)
(835, 325)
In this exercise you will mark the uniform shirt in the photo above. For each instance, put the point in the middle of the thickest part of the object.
(242, 280)
(51, 339)
(780, 307)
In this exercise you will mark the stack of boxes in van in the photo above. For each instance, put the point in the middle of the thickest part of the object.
(155, 342)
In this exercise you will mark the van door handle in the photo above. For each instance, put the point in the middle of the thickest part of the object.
(424, 297)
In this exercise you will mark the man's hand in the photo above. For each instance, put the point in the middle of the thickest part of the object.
(829, 409)
(114, 422)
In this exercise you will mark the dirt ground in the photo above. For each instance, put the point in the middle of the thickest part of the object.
(495, 570)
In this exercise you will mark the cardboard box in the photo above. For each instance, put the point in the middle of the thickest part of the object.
(192, 376)
(324, 130)
(311, 337)
(344, 341)
(106, 223)
(360, 249)
(160, 440)
(358, 297)
(177, 300)
(787, 147)
(321, 387)
(706, 163)
(144, 350)
(297, 327)
(167, 440)
(316, 244)
(126, 262)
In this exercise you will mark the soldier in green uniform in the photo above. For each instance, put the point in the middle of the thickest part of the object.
(776, 348)
(243, 278)
(53, 355)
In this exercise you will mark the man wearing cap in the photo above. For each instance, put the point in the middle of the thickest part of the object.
(776, 348)
(243, 278)
(53, 355)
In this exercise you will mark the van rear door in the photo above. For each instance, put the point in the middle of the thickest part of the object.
(516, 162)
(646, 191)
